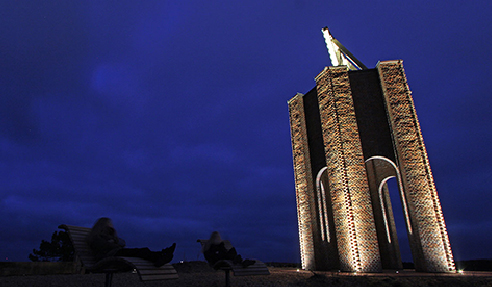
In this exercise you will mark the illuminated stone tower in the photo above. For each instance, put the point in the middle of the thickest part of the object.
(350, 134)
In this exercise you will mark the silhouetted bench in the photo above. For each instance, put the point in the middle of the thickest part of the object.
(110, 265)
(259, 268)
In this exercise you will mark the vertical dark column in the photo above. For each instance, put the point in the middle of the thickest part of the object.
(427, 232)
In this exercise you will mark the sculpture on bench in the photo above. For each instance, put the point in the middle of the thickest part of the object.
(221, 255)
(147, 271)
(104, 242)
(214, 250)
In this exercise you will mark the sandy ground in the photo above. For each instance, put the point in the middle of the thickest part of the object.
(278, 277)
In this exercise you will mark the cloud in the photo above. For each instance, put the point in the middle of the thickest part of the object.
(172, 118)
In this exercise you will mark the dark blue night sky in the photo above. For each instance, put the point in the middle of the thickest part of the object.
(171, 118)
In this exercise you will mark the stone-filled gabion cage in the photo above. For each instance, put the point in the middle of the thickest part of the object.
(350, 134)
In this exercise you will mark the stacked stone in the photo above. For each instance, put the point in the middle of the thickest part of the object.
(325, 131)
(352, 210)
(303, 181)
(429, 239)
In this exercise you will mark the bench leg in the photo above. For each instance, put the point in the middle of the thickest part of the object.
(109, 279)
(227, 278)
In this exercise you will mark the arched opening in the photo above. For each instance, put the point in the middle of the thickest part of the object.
(400, 224)
(321, 188)
(390, 211)
(327, 256)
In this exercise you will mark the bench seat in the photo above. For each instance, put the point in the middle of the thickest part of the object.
(259, 268)
(109, 265)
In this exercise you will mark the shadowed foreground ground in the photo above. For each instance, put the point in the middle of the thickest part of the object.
(279, 277)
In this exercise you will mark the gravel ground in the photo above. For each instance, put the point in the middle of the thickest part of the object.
(278, 277)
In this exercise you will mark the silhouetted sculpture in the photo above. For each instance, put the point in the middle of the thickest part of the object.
(104, 242)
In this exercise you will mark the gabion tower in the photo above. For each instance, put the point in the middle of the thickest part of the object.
(351, 133)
